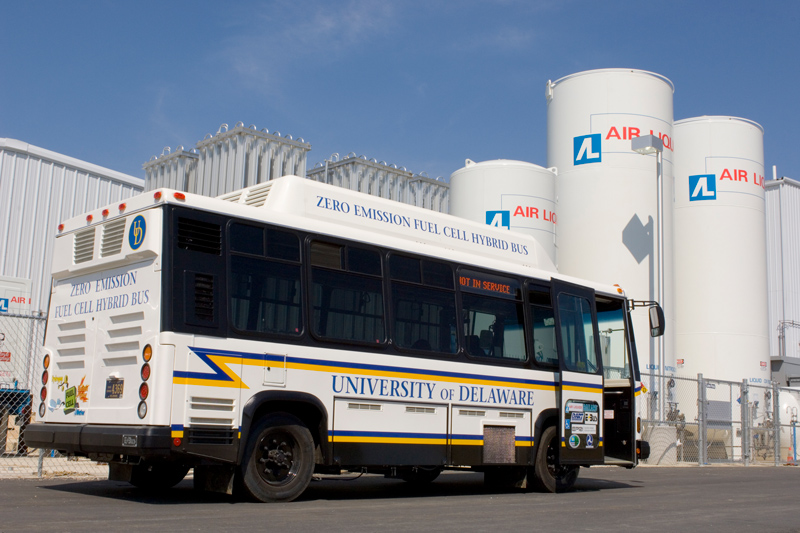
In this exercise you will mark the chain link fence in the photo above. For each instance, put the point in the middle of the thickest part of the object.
(697, 421)
(705, 421)
(21, 338)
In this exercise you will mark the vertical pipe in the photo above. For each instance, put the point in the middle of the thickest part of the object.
(701, 420)
(745, 438)
(660, 217)
(776, 422)
(782, 339)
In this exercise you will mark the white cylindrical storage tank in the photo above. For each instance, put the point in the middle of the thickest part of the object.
(720, 249)
(516, 195)
(607, 193)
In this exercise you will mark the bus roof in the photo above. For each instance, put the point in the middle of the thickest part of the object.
(305, 204)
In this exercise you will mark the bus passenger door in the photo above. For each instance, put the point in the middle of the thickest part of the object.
(580, 387)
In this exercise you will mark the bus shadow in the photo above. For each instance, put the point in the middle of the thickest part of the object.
(448, 484)
(356, 487)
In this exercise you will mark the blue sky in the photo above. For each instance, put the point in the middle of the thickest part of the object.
(421, 84)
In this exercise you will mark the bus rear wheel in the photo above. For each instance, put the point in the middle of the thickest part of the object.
(548, 475)
(279, 459)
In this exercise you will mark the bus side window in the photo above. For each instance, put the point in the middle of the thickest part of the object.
(545, 352)
(346, 293)
(492, 314)
(613, 338)
(265, 295)
(577, 334)
(424, 303)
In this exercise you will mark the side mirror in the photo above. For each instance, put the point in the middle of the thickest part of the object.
(656, 321)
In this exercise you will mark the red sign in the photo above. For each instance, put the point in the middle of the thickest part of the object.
(763, 364)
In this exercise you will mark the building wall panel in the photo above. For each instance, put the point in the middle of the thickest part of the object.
(38, 190)
(783, 263)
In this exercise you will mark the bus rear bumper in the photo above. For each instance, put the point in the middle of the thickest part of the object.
(84, 439)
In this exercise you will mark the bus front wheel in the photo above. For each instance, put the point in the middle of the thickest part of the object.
(549, 476)
(279, 459)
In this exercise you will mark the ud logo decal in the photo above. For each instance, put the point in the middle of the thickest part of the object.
(136, 233)
(3, 305)
(499, 219)
(702, 187)
(586, 149)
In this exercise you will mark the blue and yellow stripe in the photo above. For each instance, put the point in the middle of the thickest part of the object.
(391, 437)
(221, 374)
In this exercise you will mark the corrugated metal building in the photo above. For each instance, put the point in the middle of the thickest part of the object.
(783, 263)
(38, 190)
(378, 178)
(228, 161)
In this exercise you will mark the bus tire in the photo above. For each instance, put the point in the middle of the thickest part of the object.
(420, 475)
(548, 476)
(160, 475)
(279, 459)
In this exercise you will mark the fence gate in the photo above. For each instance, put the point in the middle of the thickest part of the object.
(723, 434)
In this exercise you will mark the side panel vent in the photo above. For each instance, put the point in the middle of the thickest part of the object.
(231, 196)
(84, 246)
(113, 236)
(204, 297)
(210, 436)
(256, 196)
(197, 236)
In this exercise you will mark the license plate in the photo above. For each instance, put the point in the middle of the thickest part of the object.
(129, 440)
(114, 387)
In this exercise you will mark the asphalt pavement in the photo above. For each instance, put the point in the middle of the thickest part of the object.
(646, 499)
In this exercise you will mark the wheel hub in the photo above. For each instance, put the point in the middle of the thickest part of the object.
(277, 460)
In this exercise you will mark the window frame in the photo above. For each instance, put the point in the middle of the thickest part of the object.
(247, 333)
(519, 301)
(309, 292)
(390, 281)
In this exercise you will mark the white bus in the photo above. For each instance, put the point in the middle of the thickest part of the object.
(294, 328)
